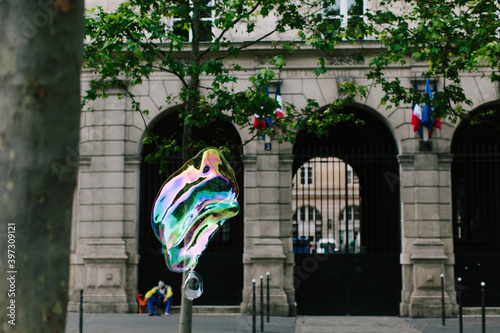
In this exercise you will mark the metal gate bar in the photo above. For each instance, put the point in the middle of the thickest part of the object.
(328, 204)
(224, 251)
(346, 230)
(476, 194)
(476, 216)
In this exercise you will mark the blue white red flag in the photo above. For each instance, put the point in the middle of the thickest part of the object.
(422, 116)
(262, 122)
(416, 117)
(279, 110)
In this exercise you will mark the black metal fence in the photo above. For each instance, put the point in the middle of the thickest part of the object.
(346, 201)
(220, 266)
(346, 229)
(476, 220)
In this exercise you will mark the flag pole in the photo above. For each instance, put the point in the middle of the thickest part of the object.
(425, 133)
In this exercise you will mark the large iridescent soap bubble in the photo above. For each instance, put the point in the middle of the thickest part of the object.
(191, 206)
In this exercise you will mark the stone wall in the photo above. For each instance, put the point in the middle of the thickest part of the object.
(104, 250)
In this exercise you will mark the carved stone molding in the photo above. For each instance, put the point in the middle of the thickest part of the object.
(407, 161)
(343, 60)
(261, 60)
(444, 161)
(428, 250)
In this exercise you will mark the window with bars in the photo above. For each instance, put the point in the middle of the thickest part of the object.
(351, 211)
(307, 213)
(352, 178)
(307, 222)
(349, 227)
(306, 175)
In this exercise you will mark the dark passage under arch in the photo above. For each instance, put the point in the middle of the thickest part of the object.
(476, 208)
(221, 265)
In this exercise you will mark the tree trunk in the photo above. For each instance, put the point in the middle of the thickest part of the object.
(186, 317)
(40, 61)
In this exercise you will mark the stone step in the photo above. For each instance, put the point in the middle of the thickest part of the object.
(211, 309)
(235, 309)
(476, 311)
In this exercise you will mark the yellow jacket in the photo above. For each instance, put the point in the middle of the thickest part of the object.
(153, 291)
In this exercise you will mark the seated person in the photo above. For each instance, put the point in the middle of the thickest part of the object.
(161, 296)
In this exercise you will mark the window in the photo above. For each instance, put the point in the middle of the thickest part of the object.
(207, 19)
(306, 175)
(308, 214)
(307, 224)
(352, 178)
(349, 12)
(349, 227)
(351, 211)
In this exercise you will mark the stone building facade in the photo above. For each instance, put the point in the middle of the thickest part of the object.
(105, 255)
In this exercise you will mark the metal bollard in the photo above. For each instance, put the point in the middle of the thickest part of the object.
(261, 303)
(254, 328)
(460, 314)
(81, 311)
(442, 300)
(483, 308)
(268, 299)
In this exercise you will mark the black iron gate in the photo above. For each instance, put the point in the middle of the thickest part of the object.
(340, 284)
(346, 230)
(476, 221)
(220, 266)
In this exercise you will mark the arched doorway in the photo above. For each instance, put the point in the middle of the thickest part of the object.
(476, 208)
(347, 252)
(221, 265)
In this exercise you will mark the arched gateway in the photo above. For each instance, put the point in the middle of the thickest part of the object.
(346, 222)
(221, 265)
(476, 209)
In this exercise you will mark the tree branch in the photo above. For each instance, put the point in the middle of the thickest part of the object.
(223, 32)
(250, 43)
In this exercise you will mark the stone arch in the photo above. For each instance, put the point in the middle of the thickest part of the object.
(153, 122)
(475, 196)
(372, 118)
(226, 246)
(371, 150)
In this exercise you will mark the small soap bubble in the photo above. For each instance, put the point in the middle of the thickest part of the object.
(193, 286)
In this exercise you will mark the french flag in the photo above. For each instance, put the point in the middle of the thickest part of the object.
(279, 111)
(421, 118)
(260, 122)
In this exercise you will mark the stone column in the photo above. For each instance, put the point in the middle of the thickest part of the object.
(427, 250)
(103, 259)
(406, 162)
(267, 236)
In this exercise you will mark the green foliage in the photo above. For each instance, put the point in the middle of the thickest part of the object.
(448, 37)
(126, 46)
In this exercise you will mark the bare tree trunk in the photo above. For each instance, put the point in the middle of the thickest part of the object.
(186, 317)
(40, 61)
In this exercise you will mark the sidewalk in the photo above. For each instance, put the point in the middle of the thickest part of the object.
(353, 324)
(203, 323)
(213, 323)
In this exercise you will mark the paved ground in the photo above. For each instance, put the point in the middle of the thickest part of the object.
(211, 323)
(135, 323)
